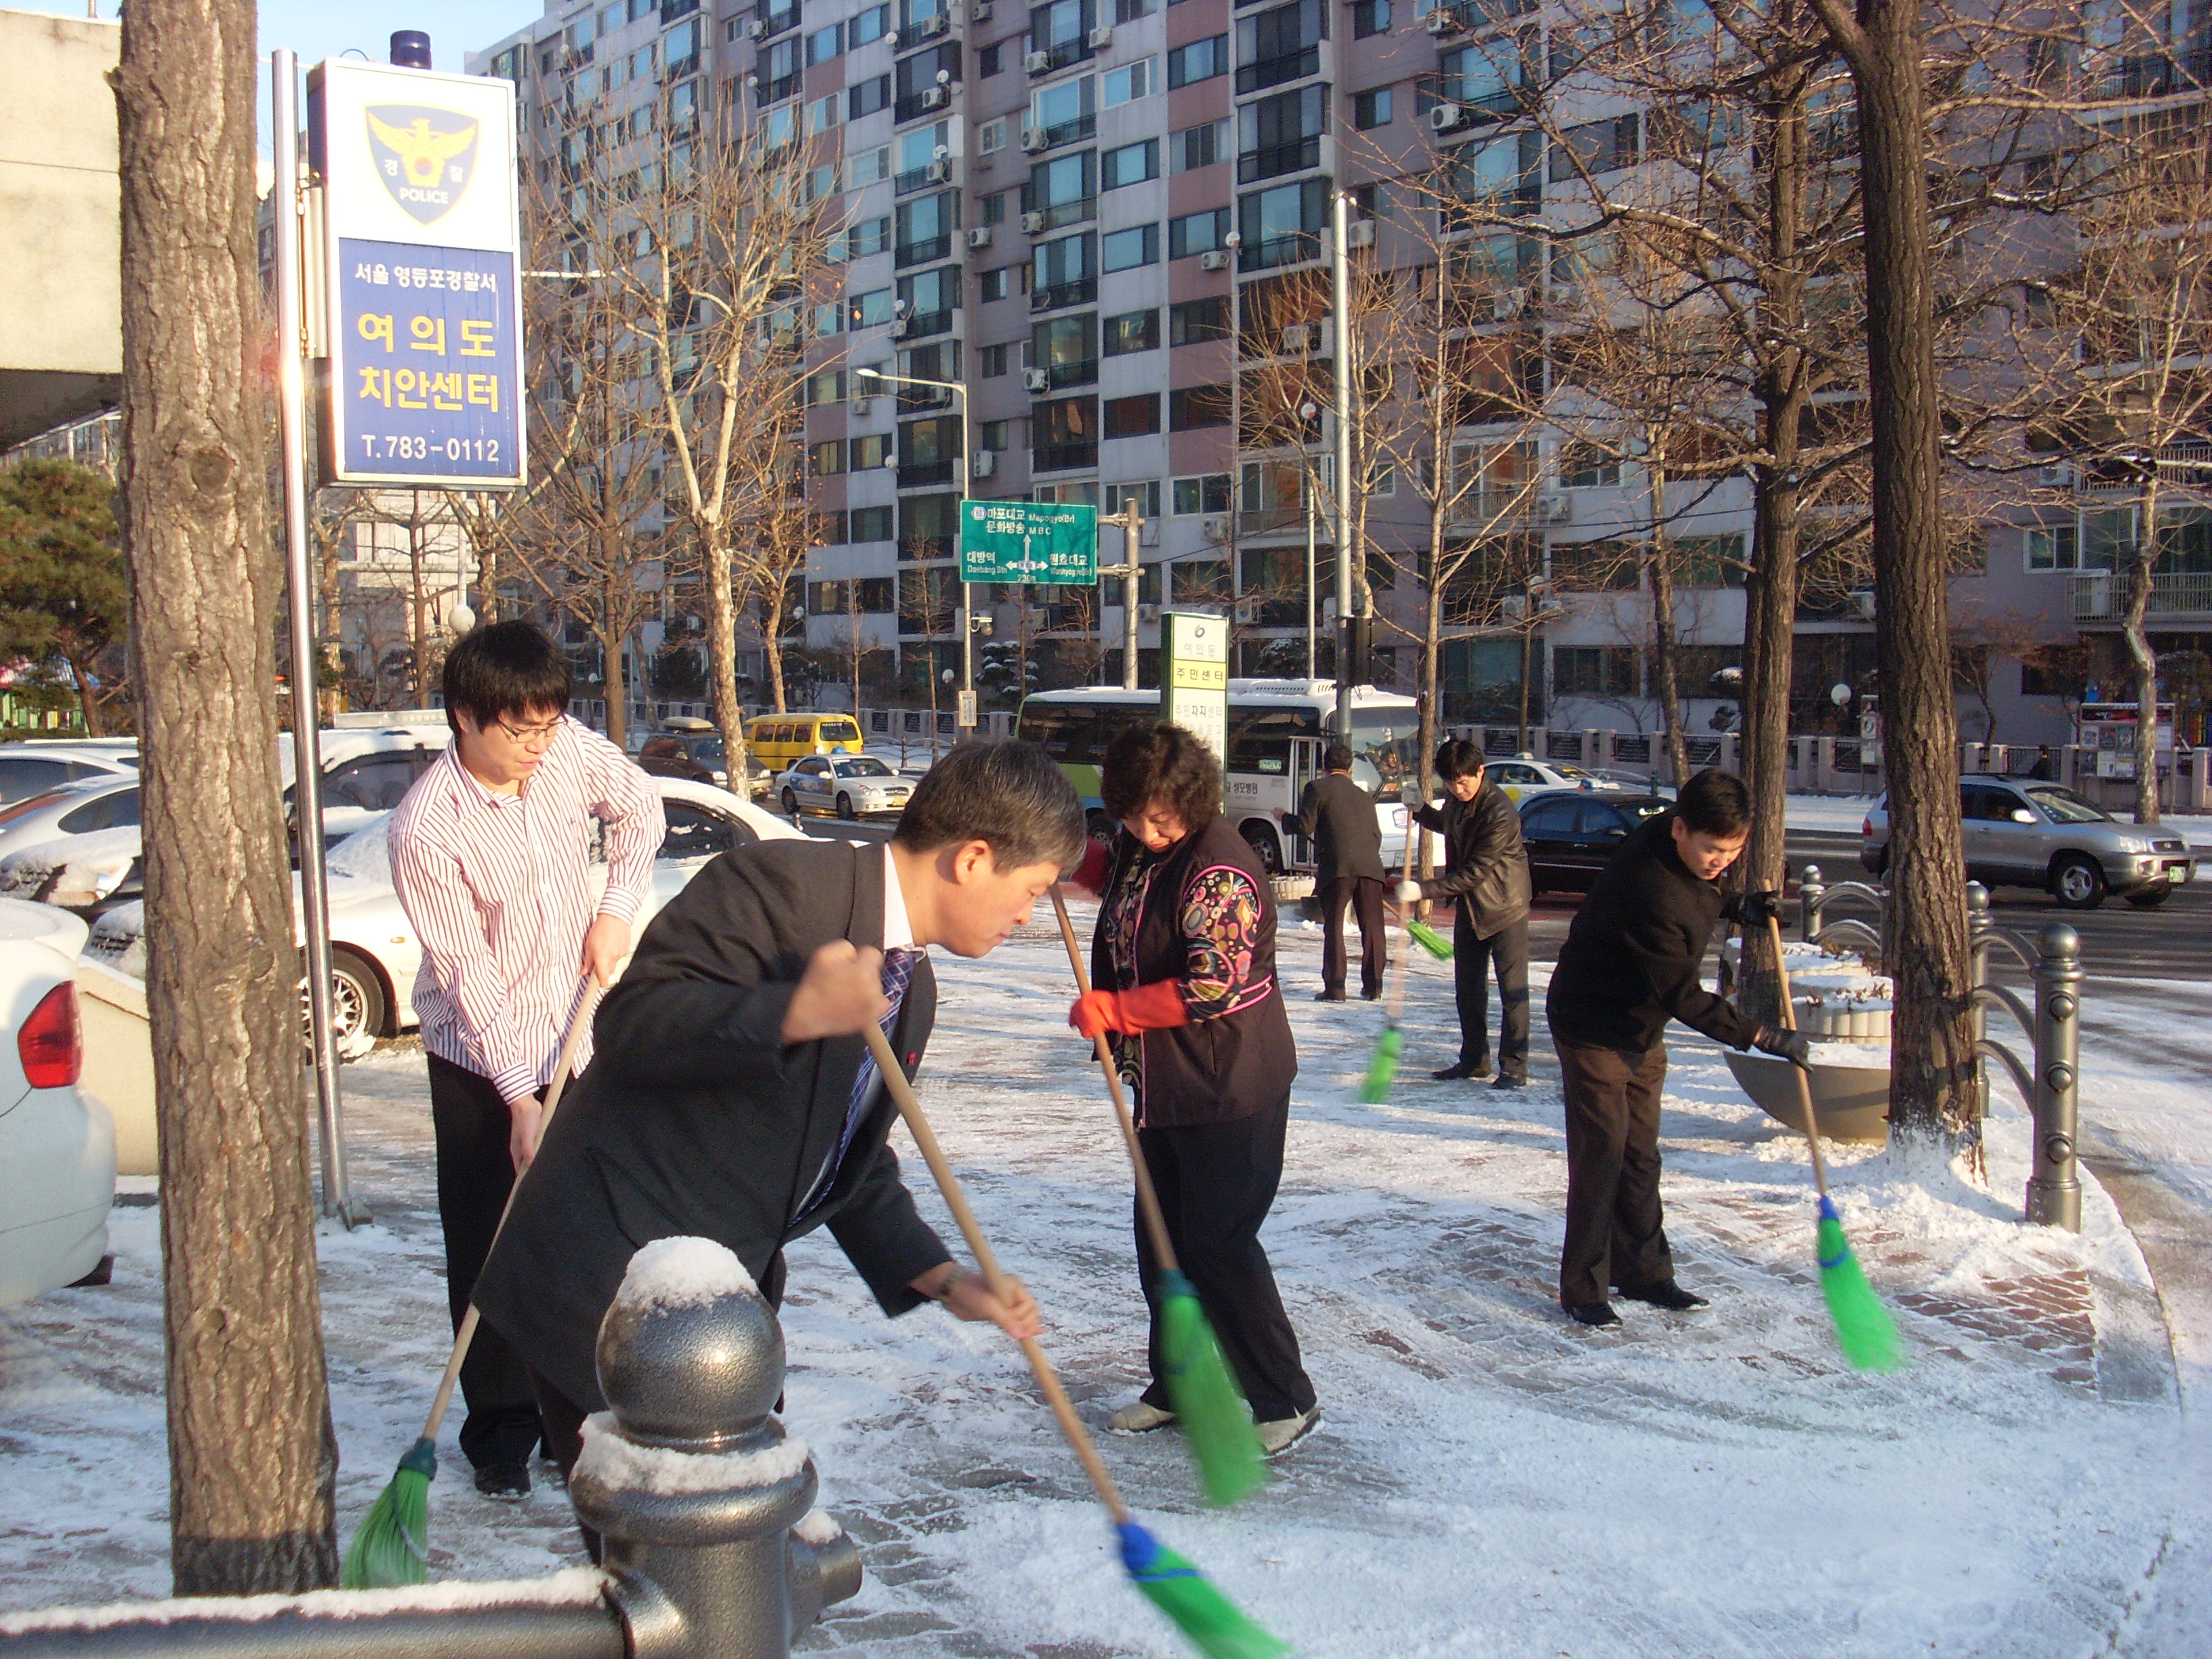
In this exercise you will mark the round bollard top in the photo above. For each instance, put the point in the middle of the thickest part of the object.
(2059, 940)
(690, 1356)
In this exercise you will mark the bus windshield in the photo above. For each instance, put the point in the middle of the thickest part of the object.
(1383, 744)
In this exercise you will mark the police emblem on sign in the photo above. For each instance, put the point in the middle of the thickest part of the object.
(426, 157)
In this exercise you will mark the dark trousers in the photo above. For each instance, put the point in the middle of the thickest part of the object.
(1216, 1182)
(1473, 959)
(476, 1171)
(1364, 895)
(1615, 1235)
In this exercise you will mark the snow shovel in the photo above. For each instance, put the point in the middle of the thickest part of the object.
(391, 1549)
(1390, 1045)
(1864, 1330)
(1216, 1422)
(1213, 1623)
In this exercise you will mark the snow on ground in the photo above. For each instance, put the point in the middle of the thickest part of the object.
(1489, 1479)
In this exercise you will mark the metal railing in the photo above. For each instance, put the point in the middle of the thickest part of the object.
(1273, 161)
(713, 1548)
(1274, 71)
(2102, 595)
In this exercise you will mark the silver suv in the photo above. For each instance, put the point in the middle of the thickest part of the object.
(2043, 834)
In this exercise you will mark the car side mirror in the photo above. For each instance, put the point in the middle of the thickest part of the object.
(2021, 815)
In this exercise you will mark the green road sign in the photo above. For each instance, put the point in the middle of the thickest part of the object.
(1027, 542)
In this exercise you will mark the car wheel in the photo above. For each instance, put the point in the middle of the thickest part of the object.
(791, 803)
(2151, 897)
(845, 807)
(2077, 882)
(1097, 825)
(357, 1004)
(1262, 840)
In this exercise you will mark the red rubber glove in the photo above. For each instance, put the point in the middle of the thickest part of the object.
(1090, 871)
(1155, 1007)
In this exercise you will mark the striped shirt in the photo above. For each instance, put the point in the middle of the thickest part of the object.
(498, 889)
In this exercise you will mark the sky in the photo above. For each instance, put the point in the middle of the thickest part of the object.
(317, 31)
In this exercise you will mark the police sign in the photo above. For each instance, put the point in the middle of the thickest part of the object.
(421, 233)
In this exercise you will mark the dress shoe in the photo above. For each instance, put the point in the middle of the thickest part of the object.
(1596, 1314)
(1371, 996)
(1463, 1073)
(1329, 996)
(1140, 1417)
(1511, 1080)
(507, 1482)
(1278, 1436)
(1670, 1296)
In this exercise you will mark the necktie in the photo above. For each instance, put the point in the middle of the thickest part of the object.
(898, 974)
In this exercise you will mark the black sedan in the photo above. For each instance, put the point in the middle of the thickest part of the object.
(1572, 835)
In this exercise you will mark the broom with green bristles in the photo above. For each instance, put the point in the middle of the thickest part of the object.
(393, 1547)
(1217, 1424)
(1864, 1330)
(1390, 1045)
(1213, 1624)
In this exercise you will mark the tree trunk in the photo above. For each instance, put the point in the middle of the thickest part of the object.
(1931, 1063)
(1770, 636)
(251, 1457)
(722, 657)
(88, 698)
(1666, 663)
(772, 641)
(2143, 659)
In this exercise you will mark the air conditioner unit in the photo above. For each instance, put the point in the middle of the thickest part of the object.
(862, 405)
(980, 236)
(939, 171)
(936, 97)
(980, 12)
(1510, 304)
(1148, 613)
(1297, 338)
(1555, 509)
(1099, 39)
(1214, 530)
(1033, 140)
(983, 464)
(1442, 22)
(756, 29)
(2059, 476)
(1248, 612)
(1038, 61)
(1036, 379)
(1032, 223)
(1360, 233)
(1447, 117)
(898, 328)
(1213, 259)
(930, 27)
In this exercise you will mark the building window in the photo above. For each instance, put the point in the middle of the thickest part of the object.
(871, 25)
(1198, 406)
(1131, 330)
(1207, 493)
(1594, 671)
(1371, 17)
(1201, 60)
(825, 385)
(1198, 147)
(826, 459)
(870, 450)
(995, 436)
(990, 60)
(1282, 226)
(824, 44)
(1132, 417)
(2054, 547)
(1584, 466)
(1145, 496)
(1126, 250)
(990, 285)
(1598, 147)
(991, 137)
(866, 97)
(1197, 233)
(1131, 164)
(1128, 84)
(869, 310)
(1370, 110)
(1128, 11)
(994, 363)
(1067, 112)
(1195, 321)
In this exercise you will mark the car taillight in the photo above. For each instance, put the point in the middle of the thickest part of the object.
(1866, 826)
(51, 1041)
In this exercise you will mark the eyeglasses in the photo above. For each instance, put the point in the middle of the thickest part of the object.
(531, 737)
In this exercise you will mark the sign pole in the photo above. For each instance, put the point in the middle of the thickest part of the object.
(1132, 533)
(306, 748)
(1340, 284)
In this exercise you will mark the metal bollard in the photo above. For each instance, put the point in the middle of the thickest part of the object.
(2054, 1187)
(1811, 891)
(689, 1479)
(711, 1550)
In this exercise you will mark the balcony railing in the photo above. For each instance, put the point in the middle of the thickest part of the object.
(2161, 74)
(1071, 132)
(919, 399)
(1060, 54)
(1080, 292)
(1062, 457)
(1276, 160)
(1059, 375)
(2102, 595)
(923, 252)
(770, 92)
(920, 177)
(1274, 71)
(1296, 249)
(672, 10)
(778, 21)
(1475, 15)
(1270, 520)
(923, 324)
(922, 475)
(1060, 215)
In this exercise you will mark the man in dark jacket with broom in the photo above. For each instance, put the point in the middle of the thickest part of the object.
(1631, 963)
(1347, 840)
(734, 1097)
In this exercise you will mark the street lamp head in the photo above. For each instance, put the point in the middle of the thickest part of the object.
(868, 374)
(1839, 693)
(945, 676)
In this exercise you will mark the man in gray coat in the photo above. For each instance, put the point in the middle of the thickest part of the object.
(1347, 838)
(1486, 876)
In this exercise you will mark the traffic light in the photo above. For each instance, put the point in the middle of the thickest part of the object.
(1356, 652)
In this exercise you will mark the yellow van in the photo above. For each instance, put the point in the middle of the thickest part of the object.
(779, 739)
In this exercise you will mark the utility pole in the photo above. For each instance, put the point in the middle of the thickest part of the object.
(1341, 284)
(1131, 522)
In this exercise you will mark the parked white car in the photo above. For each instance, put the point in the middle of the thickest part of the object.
(37, 764)
(1523, 776)
(851, 786)
(56, 1142)
(374, 955)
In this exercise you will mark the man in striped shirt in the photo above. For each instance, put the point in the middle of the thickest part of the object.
(491, 855)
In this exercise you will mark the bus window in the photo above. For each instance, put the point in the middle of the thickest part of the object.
(1383, 760)
(1067, 733)
(1260, 739)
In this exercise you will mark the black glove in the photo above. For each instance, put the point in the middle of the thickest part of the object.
(1760, 908)
(1784, 1043)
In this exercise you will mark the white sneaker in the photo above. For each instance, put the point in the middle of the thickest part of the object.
(1138, 1417)
(1284, 1432)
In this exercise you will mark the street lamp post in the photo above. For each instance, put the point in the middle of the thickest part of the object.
(1340, 287)
(967, 616)
(1310, 412)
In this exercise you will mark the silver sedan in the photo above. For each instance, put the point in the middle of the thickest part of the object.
(2030, 833)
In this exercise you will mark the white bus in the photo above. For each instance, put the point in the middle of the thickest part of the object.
(1277, 732)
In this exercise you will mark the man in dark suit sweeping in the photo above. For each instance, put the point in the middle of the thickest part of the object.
(1347, 837)
(734, 1097)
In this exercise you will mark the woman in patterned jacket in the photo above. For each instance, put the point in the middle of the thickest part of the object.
(1183, 963)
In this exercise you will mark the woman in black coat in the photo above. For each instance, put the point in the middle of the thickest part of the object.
(1183, 963)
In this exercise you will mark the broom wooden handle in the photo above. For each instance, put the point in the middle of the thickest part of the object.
(1804, 1086)
(986, 1262)
(579, 1023)
(1148, 1200)
(1397, 1008)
